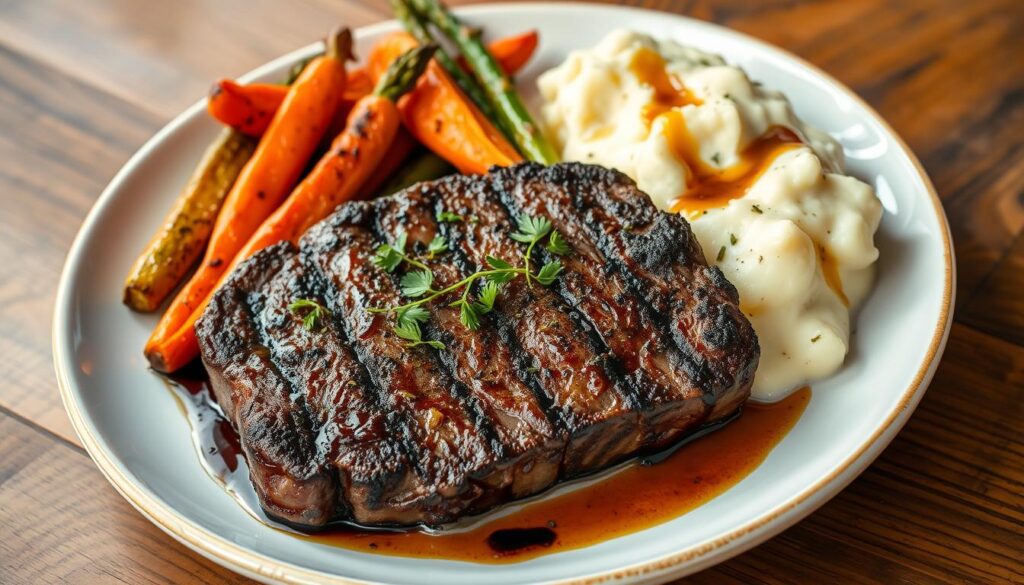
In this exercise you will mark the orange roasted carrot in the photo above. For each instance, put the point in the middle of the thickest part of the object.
(246, 108)
(440, 116)
(249, 108)
(512, 52)
(266, 180)
(398, 153)
(354, 155)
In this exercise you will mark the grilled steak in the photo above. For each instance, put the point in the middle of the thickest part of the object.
(637, 343)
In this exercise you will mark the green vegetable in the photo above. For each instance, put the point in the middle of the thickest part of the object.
(511, 113)
(413, 23)
(314, 313)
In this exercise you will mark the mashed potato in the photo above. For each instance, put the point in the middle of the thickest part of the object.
(765, 193)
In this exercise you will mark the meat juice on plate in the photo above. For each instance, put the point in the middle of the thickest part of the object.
(638, 494)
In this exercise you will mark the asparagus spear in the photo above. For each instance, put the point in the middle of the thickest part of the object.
(413, 23)
(510, 110)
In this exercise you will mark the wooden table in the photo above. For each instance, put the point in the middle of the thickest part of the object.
(84, 84)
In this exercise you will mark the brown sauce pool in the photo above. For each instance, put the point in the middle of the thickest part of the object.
(634, 496)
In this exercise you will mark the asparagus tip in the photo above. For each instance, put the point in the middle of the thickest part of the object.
(401, 76)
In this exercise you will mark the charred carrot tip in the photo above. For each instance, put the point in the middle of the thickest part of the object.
(156, 361)
(339, 45)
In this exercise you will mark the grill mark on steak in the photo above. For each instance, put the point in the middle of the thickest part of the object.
(353, 436)
(530, 447)
(637, 341)
(444, 444)
(275, 431)
(670, 403)
(570, 368)
(654, 253)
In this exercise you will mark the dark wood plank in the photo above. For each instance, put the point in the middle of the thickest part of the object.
(998, 305)
(83, 84)
(163, 56)
(944, 503)
(62, 523)
(61, 143)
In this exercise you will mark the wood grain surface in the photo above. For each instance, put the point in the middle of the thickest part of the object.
(84, 83)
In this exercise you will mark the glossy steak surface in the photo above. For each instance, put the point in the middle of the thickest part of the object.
(637, 343)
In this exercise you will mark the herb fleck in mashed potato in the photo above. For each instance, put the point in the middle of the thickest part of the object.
(765, 193)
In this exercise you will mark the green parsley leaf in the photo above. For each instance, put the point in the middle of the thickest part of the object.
(415, 314)
(488, 294)
(549, 272)
(721, 254)
(498, 263)
(449, 217)
(417, 283)
(387, 257)
(557, 244)
(411, 332)
(733, 239)
(531, 229)
(312, 312)
(436, 246)
(467, 314)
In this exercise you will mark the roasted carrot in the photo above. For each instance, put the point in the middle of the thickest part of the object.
(441, 117)
(398, 153)
(337, 177)
(246, 108)
(512, 52)
(249, 108)
(266, 180)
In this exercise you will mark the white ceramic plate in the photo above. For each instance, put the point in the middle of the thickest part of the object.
(132, 427)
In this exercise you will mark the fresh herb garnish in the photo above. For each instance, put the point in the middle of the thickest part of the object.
(816, 338)
(449, 217)
(436, 246)
(756, 208)
(312, 312)
(549, 272)
(557, 244)
(418, 284)
(531, 230)
(733, 239)
(390, 256)
(411, 332)
(721, 254)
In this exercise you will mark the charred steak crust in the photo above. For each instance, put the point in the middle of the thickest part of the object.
(637, 343)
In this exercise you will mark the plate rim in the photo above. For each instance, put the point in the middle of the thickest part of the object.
(739, 539)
